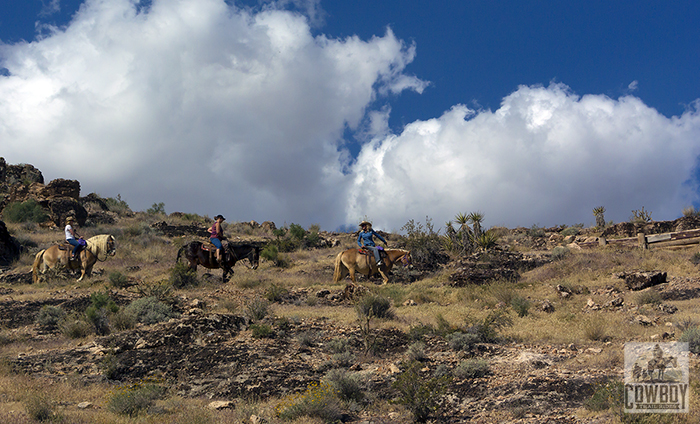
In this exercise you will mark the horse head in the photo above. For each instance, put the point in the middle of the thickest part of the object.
(111, 246)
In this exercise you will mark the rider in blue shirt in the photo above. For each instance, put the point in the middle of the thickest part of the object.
(365, 239)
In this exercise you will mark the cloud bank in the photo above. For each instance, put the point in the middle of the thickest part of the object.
(214, 109)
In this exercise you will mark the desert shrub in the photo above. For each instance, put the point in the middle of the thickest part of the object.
(502, 292)
(425, 244)
(571, 231)
(257, 309)
(692, 337)
(595, 329)
(371, 305)
(156, 209)
(486, 241)
(459, 341)
(40, 406)
(606, 396)
(49, 317)
(687, 323)
(346, 385)
(271, 253)
(181, 276)
(74, 326)
(307, 338)
(318, 401)
(444, 327)
(275, 293)
(472, 368)
(117, 205)
(648, 297)
(131, 399)
(487, 330)
(261, 331)
(421, 395)
(416, 352)
(343, 359)
(27, 211)
(338, 345)
(418, 332)
(536, 231)
(640, 216)
(150, 310)
(690, 211)
(123, 320)
(162, 291)
(520, 305)
(695, 259)
(118, 280)
(98, 312)
(559, 253)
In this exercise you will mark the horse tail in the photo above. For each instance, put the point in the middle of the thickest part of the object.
(35, 266)
(339, 267)
(179, 254)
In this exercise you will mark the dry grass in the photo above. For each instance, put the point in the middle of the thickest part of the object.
(146, 256)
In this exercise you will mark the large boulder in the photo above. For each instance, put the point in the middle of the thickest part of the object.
(9, 247)
(19, 174)
(62, 207)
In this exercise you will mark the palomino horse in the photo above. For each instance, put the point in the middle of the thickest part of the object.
(97, 248)
(197, 253)
(352, 261)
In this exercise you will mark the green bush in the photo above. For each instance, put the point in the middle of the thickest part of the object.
(416, 352)
(520, 305)
(606, 396)
(559, 253)
(49, 317)
(40, 407)
(257, 309)
(371, 305)
(181, 276)
(692, 337)
(463, 341)
(150, 310)
(318, 401)
(420, 394)
(426, 245)
(28, 211)
(156, 209)
(275, 293)
(100, 309)
(74, 326)
(347, 386)
(487, 330)
(271, 253)
(261, 331)
(472, 368)
(118, 280)
(648, 297)
(131, 399)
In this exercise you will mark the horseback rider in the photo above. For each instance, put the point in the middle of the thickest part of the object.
(365, 240)
(217, 235)
(73, 238)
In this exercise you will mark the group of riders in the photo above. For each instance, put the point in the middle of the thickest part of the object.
(365, 238)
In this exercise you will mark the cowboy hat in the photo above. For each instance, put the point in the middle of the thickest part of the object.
(365, 223)
(220, 216)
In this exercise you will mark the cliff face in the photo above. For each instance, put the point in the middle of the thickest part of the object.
(60, 198)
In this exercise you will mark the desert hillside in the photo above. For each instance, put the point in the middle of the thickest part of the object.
(522, 325)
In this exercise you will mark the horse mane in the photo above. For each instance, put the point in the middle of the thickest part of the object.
(98, 245)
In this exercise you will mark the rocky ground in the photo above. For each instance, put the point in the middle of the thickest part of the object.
(216, 356)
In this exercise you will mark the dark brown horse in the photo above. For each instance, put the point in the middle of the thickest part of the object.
(198, 253)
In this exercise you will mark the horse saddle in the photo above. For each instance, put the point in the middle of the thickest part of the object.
(365, 251)
(209, 247)
(68, 246)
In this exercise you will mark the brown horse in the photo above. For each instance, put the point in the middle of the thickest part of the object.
(198, 253)
(97, 248)
(353, 260)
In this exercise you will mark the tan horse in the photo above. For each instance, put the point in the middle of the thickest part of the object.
(98, 248)
(352, 261)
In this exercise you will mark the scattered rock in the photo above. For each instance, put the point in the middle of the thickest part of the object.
(218, 405)
(641, 280)
(547, 306)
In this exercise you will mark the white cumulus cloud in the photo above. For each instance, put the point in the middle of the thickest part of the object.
(545, 157)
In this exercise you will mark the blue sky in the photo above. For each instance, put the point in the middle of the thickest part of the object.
(324, 112)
